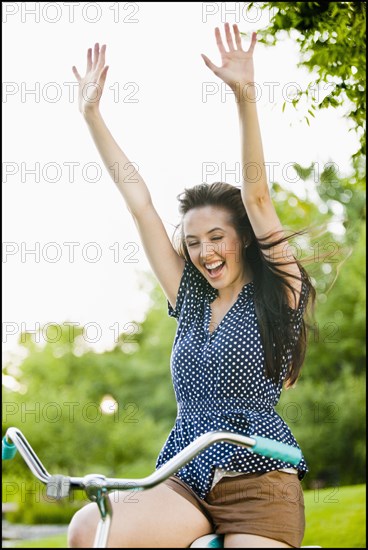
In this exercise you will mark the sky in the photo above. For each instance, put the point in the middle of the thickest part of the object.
(71, 251)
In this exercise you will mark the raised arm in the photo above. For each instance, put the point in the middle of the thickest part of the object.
(237, 71)
(91, 86)
(165, 262)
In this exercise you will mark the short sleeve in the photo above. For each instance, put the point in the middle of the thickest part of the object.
(296, 315)
(191, 289)
(303, 301)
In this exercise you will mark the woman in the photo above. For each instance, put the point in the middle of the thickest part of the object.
(239, 299)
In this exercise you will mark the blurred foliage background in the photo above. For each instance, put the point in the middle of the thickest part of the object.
(111, 412)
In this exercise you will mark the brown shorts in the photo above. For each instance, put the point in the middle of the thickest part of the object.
(269, 505)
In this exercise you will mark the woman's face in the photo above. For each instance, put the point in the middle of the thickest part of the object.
(214, 246)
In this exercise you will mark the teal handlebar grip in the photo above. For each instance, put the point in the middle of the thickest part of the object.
(8, 450)
(279, 451)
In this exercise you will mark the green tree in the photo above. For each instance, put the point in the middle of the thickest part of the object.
(332, 40)
(84, 411)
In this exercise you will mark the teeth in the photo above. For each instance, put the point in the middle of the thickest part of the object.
(213, 266)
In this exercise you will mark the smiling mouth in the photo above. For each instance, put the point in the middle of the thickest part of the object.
(215, 271)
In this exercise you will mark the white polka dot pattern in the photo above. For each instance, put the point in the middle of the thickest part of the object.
(220, 384)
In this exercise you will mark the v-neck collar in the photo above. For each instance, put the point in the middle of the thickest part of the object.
(212, 293)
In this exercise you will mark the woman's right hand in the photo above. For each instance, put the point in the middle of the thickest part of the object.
(92, 84)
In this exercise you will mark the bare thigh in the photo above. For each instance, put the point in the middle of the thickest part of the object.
(154, 518)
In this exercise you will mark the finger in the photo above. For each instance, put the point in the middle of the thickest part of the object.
(237, 37)
(253, 43)
(101, 61)
(101, 80)
(209, 63)
(229, 38)
(219, 41)
(96, 55)
(76, 74)
(89, 60)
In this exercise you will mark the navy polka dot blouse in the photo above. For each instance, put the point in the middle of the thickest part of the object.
(220, 384)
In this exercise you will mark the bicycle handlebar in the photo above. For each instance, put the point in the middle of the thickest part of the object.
(97, 486)
(59, 486)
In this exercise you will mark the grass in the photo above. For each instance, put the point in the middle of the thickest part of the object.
(335, 518)
(58, 541)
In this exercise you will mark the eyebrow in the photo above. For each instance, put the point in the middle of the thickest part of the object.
(210, 231)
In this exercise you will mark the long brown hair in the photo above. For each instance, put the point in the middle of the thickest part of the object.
(275, 320)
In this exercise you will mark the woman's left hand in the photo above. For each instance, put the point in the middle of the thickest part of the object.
(237, 65)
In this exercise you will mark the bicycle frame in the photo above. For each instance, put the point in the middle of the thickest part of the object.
(97, 487)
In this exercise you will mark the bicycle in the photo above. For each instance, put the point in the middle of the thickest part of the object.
(97, 486)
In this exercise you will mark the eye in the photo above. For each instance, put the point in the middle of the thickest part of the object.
(191, 244)
(217, 238)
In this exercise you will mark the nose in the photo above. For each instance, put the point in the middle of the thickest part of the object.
(208, 251)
